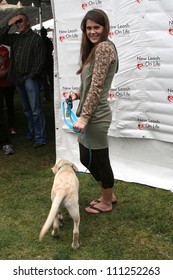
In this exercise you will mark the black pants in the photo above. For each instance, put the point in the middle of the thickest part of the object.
(4, 136)
(7, 95)
(98, 163)
(47, 83)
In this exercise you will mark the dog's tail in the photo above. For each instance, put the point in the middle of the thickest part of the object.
(53, 212)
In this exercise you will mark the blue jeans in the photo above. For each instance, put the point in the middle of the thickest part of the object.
(29, 93)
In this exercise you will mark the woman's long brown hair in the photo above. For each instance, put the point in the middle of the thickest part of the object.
(87, 47)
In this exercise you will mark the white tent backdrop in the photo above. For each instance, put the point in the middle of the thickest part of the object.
(141, 96)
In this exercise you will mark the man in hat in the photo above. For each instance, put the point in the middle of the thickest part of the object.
(27, 63)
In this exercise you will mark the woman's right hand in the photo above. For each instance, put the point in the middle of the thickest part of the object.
(68, 95)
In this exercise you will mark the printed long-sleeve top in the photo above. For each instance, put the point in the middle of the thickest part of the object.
(27, 53)
(96, 79)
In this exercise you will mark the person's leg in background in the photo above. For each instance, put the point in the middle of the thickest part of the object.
(32, 87)
(31, 102)
(9, 100)
(51, 81)
(27, 111)
(5, 141)
(47, 91)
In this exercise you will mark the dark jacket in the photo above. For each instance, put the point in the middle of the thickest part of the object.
(27, 54)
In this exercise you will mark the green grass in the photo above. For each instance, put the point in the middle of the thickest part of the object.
(140, 226)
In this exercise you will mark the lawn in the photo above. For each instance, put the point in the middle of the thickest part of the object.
(140, 227)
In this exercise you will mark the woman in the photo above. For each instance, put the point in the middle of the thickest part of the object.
(99, 63)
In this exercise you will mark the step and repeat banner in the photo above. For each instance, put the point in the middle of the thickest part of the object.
(141, 95)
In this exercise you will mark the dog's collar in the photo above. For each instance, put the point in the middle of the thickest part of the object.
(64, 165)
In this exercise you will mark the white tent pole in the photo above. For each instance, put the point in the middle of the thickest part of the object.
(40, 15)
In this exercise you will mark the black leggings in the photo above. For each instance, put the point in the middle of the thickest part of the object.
(100, 167)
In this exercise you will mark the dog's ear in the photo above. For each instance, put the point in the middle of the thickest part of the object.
(58, 159)
(75, 168)
(54, 169)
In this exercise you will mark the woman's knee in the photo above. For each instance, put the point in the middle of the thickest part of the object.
(108, 184)
(107, 178)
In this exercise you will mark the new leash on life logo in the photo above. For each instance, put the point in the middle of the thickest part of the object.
(70, 114)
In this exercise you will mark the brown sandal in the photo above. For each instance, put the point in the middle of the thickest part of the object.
(92, 203)
(99, 211)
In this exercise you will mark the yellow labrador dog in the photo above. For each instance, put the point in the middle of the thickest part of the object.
(64, 192)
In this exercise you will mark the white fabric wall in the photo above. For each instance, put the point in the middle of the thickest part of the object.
(141, 96)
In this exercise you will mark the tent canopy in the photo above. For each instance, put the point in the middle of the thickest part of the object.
(8, 8)
(36, 3)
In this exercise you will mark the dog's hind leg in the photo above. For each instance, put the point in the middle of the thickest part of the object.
(76, 221)
(55, 231)
(56, 225)
(61, 219)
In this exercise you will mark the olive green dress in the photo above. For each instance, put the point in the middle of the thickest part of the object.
(93, 109)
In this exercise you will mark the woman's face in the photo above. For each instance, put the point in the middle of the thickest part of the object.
(94, 31)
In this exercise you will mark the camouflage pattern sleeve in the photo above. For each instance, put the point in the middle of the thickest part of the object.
(104, 56)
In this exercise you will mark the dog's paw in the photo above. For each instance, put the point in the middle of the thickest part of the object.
(75, 246)
(55, 232)
(60, 219)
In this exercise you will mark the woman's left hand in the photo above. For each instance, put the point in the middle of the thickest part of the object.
(79, 126)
